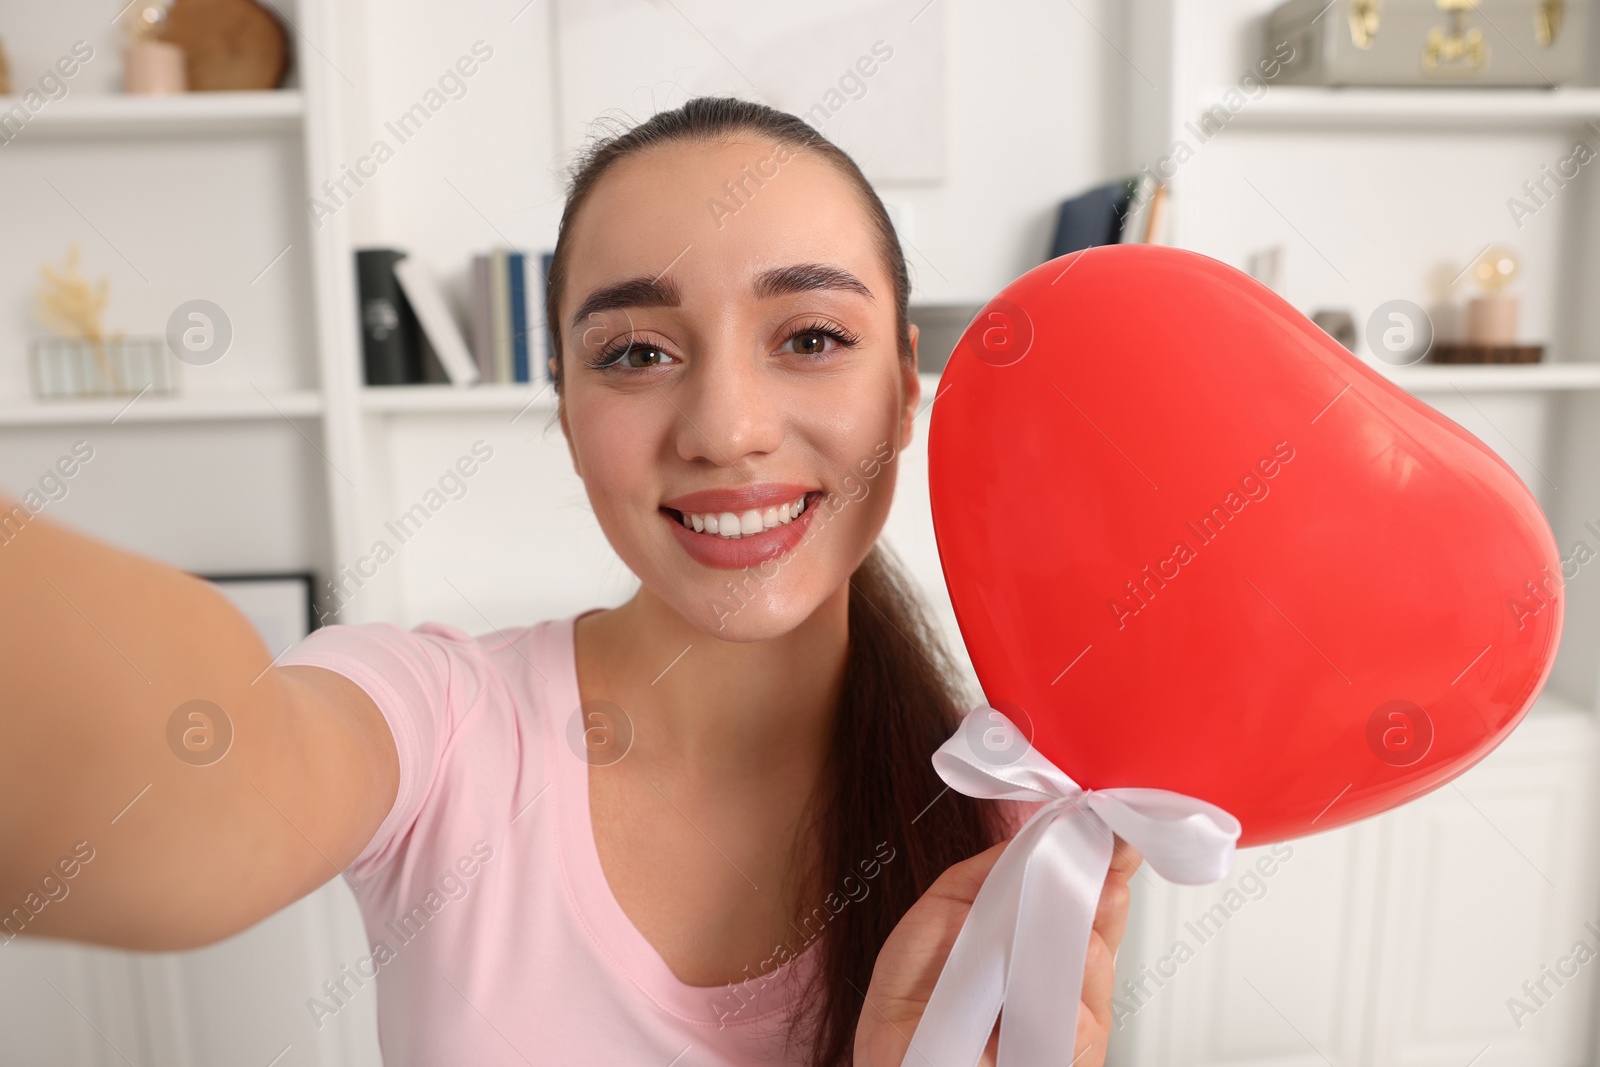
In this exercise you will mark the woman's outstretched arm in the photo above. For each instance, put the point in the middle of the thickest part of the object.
(98, 649)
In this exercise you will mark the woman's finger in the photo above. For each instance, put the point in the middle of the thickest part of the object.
(1099, 979)
(1111, 913)
(1125, 859)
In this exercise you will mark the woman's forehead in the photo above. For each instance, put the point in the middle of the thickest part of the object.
(720, 215)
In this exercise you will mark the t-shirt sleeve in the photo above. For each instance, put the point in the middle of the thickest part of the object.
(425, 681)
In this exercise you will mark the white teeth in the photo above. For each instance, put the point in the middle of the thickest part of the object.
(729, 525)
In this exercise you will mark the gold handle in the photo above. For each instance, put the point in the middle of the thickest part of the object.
(1364, 18)
(1547, 19)
(1457, 45)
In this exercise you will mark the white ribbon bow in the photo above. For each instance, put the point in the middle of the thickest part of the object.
(1024, 942)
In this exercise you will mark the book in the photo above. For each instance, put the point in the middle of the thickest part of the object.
(433, 372)
(438, 325)
(1092, 218)
(548, 335)
(1135, 221)
(482, 320)
(517, 291)
(391, 352)
(500, 314)
(533, 311)
(1155, 232)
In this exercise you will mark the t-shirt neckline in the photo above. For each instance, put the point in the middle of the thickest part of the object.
(608, 926)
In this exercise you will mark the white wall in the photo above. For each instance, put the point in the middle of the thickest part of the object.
(1029, 123)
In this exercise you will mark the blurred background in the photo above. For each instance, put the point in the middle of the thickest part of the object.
(271, 269)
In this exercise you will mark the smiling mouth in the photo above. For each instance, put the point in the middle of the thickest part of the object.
(732, 526)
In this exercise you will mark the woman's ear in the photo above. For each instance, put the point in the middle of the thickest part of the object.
(912, 389)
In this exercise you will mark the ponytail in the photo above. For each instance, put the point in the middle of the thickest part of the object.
(884, 809)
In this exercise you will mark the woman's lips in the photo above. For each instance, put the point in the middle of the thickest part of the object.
(746, 550)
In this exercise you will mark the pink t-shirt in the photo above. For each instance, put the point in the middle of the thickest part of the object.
(493, 935)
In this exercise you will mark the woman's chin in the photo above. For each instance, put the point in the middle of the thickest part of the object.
(748, 614)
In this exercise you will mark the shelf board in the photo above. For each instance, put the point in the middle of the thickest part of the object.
(181, 113)
(449, 399)
(1425, 379)
(1295, 105)
(1548, 703)
(198, 407)
(1493, 378)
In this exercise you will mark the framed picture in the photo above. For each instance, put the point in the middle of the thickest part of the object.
(280, 604)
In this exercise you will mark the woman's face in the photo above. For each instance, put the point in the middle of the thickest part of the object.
(728, 351)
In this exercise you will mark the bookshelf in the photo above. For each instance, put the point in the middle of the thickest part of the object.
(538, 398)
(220, 181)
(108, 115)
(1425, 380)
(257, 464)
(212, 407)
(1436, 109)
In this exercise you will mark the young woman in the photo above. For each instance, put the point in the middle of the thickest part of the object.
(698, 828)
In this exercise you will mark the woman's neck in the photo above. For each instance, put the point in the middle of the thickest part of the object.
(709, 709)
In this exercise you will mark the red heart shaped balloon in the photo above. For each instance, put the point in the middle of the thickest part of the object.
(1194, 544)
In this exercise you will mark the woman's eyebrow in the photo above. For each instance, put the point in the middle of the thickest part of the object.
(663, 292)
(806, 278)
(637, 292)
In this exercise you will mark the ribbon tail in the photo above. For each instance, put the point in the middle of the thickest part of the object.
(960, 1013)
(1061, 886)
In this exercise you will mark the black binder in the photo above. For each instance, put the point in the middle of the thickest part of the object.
(1093, 218)
(391, 339)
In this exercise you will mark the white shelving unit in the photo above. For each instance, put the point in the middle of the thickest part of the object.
(445, 399)
(1379, 109)
(1428, 379)
(215, 407)
(257, 465)
(221, 183)
(280, 111)
(1396, 941)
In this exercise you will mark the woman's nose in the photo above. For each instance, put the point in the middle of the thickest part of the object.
(728, 407)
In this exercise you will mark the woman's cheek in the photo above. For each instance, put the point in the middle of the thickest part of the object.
(609, 448)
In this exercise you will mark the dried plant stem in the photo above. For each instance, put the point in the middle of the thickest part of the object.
(74, 308)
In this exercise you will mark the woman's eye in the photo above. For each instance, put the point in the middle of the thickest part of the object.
(810, 343)
(639, 357)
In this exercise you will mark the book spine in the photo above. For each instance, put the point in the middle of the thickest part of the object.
(547, 335)
(516, 264)
(500, 314)
(533, 305)
(482, 321)
(1153, 230)
(433, 372)
(391, 352)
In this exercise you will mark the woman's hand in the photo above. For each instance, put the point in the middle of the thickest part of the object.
(912, 957)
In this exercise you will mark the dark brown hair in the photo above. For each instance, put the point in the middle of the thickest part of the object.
(899, 700)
